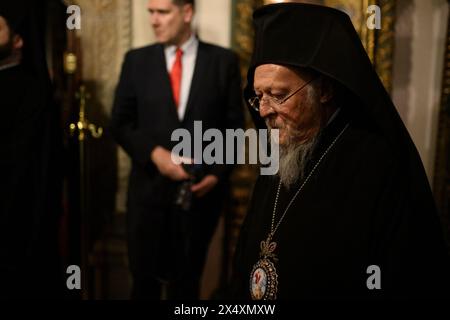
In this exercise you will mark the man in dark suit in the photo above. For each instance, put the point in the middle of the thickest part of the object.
(164, 87)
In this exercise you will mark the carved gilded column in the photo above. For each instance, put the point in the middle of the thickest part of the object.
(244, 176)
(106, 34)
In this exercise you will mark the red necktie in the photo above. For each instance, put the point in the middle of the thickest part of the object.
(175, 76)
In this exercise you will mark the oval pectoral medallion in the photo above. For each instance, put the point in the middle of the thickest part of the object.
(264, 280)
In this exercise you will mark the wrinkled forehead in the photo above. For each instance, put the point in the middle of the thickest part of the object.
(278, 75)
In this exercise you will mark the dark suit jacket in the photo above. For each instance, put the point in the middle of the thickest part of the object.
(144, 116)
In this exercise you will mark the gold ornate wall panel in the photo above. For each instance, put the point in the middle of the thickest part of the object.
(242, 31)
(384, 43)
(106, 34)
(244, 176)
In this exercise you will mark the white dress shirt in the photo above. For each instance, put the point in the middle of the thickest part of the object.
(189, 49)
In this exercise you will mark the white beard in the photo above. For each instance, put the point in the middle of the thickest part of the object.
(293, 160)
(294, 156)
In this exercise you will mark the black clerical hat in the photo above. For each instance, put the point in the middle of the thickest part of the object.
(323, 39)
(15, 13)
(27, 18)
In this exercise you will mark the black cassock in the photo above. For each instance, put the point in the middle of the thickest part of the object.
(30, 161)
(356, 210)
(367, 204)
(30, 187)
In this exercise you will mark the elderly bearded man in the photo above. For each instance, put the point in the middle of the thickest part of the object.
(350, 213)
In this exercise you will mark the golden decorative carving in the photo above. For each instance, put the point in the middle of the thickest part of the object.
(105, 37)
(70, 63)
(83, 126)
(385, 39)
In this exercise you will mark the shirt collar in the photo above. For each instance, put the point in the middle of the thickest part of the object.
(188, 45)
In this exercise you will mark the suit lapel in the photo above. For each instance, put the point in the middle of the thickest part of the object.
(199, 77)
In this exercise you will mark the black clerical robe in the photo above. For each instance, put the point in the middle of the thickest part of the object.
(357, 210)
(30, 186)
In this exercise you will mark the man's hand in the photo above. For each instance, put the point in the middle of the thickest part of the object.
(162, 158)
(204, 186)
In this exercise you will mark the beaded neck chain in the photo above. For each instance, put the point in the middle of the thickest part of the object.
(273, 227)
(264, 276)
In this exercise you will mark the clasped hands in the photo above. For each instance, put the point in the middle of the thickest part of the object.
(162, 158)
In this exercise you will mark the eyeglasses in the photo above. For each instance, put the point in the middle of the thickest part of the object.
(255, 102)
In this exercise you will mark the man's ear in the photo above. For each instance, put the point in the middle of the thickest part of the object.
(188, 12)
(326, 91)
(17, 42)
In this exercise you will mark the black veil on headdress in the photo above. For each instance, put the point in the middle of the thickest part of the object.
(323, 39)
